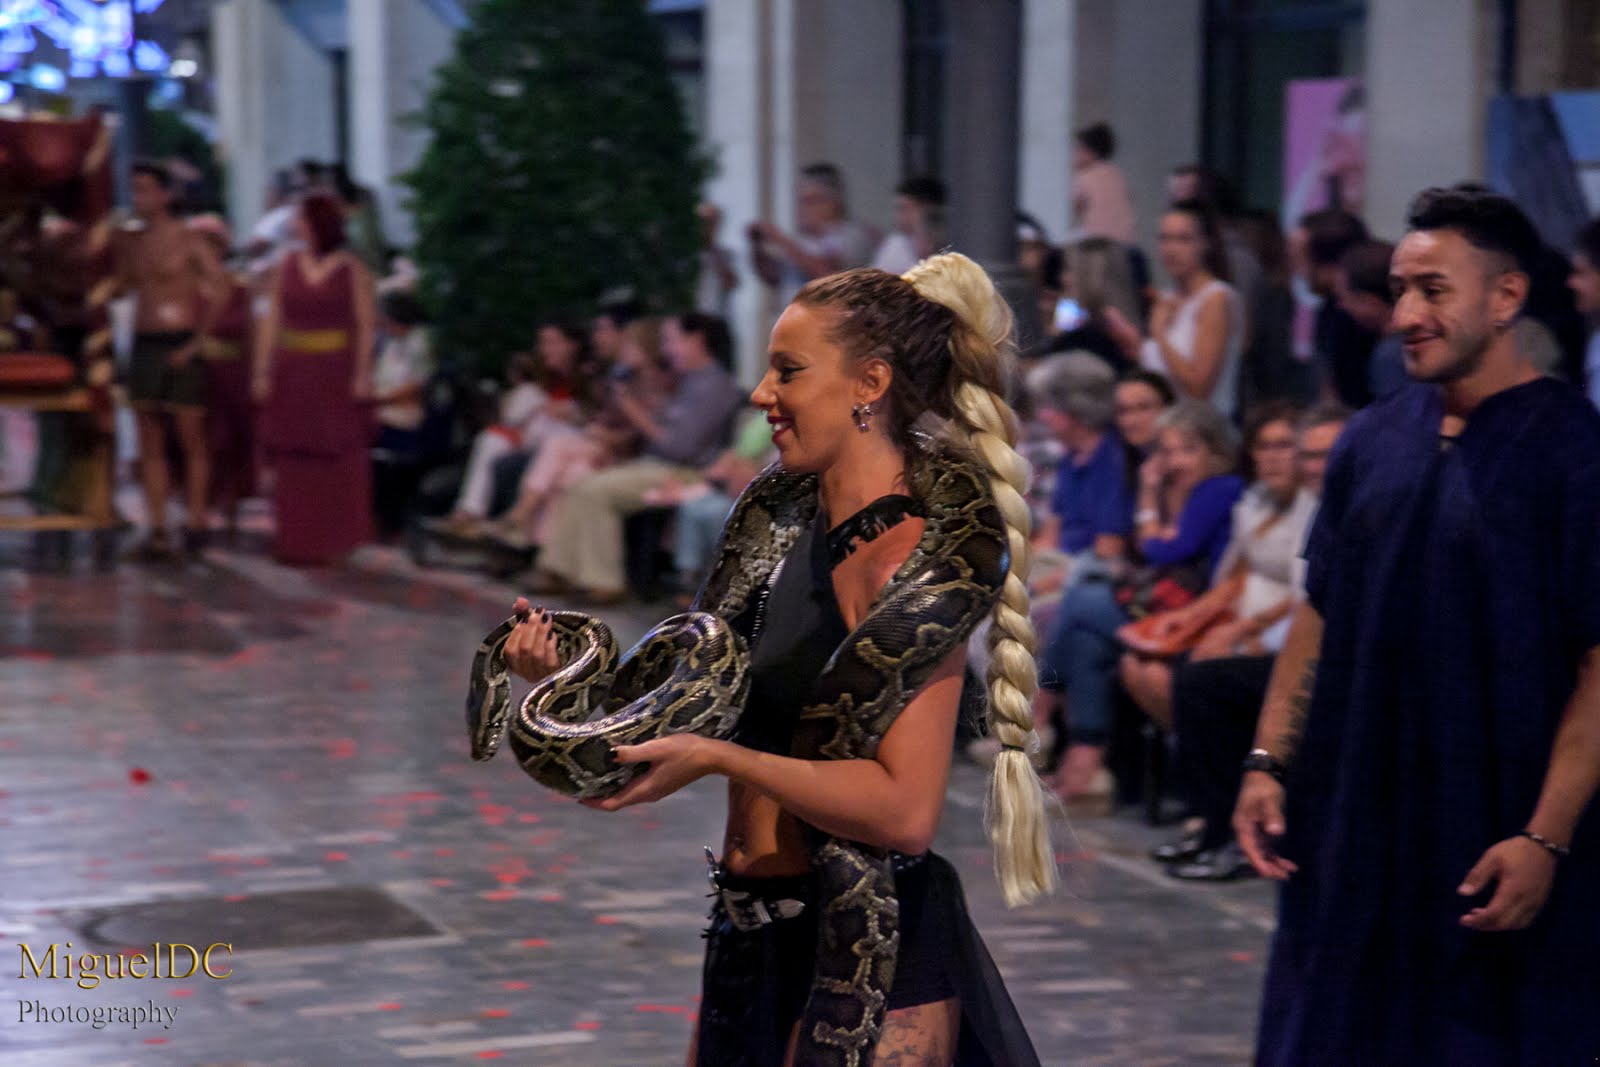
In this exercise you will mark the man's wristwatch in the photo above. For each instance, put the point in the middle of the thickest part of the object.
(1260, 759)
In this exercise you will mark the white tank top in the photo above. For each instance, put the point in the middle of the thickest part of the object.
(1180, 335)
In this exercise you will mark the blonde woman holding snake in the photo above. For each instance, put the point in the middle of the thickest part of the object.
(864, 367)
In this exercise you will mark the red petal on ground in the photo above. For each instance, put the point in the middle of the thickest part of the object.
(138, 776)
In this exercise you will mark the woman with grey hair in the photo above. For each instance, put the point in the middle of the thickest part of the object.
(1181, 525)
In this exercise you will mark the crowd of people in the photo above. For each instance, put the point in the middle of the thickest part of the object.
(1177, 429)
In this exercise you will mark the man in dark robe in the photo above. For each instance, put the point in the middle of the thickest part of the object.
(1435, 713)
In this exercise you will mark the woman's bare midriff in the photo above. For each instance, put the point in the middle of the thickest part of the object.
(763, 840)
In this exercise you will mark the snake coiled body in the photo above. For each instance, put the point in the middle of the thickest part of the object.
(697, 662)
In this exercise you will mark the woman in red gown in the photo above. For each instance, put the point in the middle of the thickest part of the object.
(314, 381)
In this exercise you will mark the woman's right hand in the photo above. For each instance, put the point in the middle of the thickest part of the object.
(1153, 472)
(530, 651)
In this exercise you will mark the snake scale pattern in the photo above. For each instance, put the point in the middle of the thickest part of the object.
(689, 674)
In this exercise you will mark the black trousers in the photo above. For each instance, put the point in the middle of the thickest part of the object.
(1215, 704)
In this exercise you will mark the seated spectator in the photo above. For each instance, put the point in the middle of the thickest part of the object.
(1361, 287)
(405, 365)
(702, 507)
(1584, 282)
(585, 545)
(1197, 328)
(528, 412)
(1142, 397)
(1340, 348)
(1101, 205)
(919, 229)
(1102, 310)
(1254, 584)
(828, 241)
(567, 454)
(1216, 702)
(1073, 395)
(1181, 525)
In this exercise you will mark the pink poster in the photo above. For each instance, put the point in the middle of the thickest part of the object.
(1324, 146)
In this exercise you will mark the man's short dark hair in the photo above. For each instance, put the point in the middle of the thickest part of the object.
(1330, 233)
(157, 172)
(620, 312)
(402, 307)
(1099, 140)
(1366, 269)
(1589, 242)
(1490, 222)
(924, 189)
(712, 330)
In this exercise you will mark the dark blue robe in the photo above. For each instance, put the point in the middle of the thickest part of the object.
(1459, 587)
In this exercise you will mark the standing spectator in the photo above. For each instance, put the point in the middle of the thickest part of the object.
(180, 284)
(1269, 370)
(314, 379)
(405, 365)
(1197, 327)
(1103, 308)
(1341, 350)
(1101, 204)
(1585, 283)
(229, 350)
(919, 227)
(829, 240)
(717, 278)
(363, 221)
(1361, 286)
(273, 234)
(585, 547)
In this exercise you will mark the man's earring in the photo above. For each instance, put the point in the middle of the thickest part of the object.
(862, 413)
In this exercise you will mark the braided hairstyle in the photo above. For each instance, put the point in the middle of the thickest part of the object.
(947, 334)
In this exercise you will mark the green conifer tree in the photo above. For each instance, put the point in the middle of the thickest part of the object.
(561, 165)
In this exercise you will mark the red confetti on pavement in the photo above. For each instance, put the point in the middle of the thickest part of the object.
(534, 942)
(335, 857)
(607, 920)
(587, 1024)
(496, 1013)
(490, 1054)
(183, 992)
(1242, 957)
(514, 986)
(390, 1006)
(138, 776)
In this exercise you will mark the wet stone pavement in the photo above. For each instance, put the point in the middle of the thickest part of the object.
(231, 751)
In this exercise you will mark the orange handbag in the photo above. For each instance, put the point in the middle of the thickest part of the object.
(1151, 636)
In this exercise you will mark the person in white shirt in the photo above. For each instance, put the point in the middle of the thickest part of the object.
(1196, 328)
(399, 379)
(828, 240)
(919, 229)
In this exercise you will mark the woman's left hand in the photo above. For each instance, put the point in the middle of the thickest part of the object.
(675, 761)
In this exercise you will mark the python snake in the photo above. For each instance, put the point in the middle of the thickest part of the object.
(689, 674)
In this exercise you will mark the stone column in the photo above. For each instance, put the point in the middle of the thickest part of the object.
(275, 100)
(1047, 119)
(394, 47)
(981, 117)
(1429, 77)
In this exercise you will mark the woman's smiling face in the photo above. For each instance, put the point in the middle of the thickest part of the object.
(808, 390)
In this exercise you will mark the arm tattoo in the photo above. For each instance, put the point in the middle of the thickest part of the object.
(1299, 709)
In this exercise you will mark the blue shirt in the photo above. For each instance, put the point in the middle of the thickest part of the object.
(1591, 368)
(1091, 499)
(1204, 525)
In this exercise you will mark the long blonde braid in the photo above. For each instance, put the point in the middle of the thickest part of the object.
(982, 350)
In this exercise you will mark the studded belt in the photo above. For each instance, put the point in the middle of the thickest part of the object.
(747, 910)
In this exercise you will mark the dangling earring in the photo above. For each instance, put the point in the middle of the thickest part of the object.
(862, 413)
(1501, 324)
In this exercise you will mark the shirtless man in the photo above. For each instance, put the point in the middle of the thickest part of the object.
(178, 280)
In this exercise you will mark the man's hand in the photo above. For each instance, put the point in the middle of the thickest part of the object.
(1525, 871)
(1257, 820)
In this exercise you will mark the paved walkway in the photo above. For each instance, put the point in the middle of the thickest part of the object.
(203, 753)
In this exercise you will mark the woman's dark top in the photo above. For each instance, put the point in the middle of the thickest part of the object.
(796, 628)
(1094, 338)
